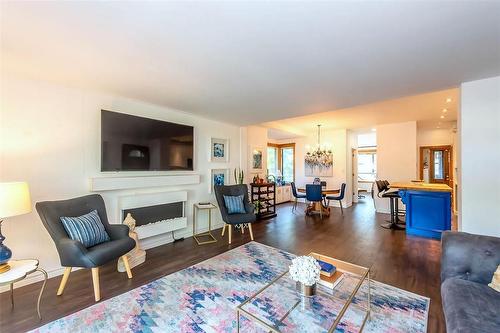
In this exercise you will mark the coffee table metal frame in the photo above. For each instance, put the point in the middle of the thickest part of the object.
(365, 275)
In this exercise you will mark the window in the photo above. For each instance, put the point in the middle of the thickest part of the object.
(287, 163)
(281, 160)
(367, 165)
(272, 160)
(438, 165)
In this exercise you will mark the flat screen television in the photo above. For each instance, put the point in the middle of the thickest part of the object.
(132, 143)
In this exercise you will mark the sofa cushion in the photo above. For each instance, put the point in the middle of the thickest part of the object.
(105, 252)
(470, 306)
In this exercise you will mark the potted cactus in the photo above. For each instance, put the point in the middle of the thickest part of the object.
(239, 176)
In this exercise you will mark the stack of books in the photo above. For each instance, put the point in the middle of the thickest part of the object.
(330, 276)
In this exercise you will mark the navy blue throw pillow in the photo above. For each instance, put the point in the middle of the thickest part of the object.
(87, 229)
(234, 204)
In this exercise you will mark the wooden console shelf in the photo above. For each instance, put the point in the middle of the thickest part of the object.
(263, 196)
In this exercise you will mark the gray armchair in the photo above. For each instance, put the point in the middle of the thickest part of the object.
(72, 253)
(467, 265)
(235, 219)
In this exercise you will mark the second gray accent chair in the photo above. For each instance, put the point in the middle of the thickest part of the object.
(72, 253)
(235, 219)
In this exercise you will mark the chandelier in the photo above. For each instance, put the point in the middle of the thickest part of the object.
(320, 157)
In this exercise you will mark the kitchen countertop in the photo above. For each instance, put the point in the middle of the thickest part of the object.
(421, 186)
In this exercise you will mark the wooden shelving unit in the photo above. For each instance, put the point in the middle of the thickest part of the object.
(266, 195)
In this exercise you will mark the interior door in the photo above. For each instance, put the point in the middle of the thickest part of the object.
(440, 167)
(354, 165)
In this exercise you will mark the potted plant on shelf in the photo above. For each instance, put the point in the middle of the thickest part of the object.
(258, 205)
(305, 271)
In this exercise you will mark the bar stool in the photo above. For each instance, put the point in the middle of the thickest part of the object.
(383, 192)
(398, 211)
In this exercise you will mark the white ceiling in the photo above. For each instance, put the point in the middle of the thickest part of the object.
(425, 109)
(248, 62)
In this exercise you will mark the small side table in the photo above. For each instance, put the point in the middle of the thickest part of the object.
(196, 209)
(18, 271)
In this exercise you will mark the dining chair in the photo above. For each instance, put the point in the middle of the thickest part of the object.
(314, 194)
(339, 197)
(296, 195)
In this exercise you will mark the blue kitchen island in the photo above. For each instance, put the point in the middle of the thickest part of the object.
(428, 208)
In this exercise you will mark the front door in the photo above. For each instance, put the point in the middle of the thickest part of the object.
(436, 164)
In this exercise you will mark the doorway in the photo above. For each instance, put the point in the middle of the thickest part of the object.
(436, 164)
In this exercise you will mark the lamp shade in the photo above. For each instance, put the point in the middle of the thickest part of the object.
(14, 199)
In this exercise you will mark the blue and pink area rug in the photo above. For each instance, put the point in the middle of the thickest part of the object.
(204, 297)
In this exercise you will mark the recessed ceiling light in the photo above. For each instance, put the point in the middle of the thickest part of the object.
(442, 117)
(445, 110)
(448, 100)
(438, 127)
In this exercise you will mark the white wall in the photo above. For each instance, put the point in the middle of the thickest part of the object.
(337, 141)
(256, 138)
(434, 136)
(479, 180)
(50, 138)
(396, 156)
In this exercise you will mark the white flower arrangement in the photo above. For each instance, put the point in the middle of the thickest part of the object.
(305, 269)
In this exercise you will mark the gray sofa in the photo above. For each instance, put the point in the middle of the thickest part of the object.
(467, 265)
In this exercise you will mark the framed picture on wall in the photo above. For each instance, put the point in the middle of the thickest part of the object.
(218, 177)
(256, 159)
(219, 150)
(318, 164)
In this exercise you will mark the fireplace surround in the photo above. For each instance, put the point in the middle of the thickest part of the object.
(155, 213)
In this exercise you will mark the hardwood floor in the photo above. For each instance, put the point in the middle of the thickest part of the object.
(407, 262)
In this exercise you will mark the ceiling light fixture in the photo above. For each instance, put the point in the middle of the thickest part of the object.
(442, 117)
(448, 100)
(319, 157)
(445, 110)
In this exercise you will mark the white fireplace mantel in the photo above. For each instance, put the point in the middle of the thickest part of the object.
(113, 183)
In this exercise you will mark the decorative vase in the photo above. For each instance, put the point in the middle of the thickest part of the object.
(5, 252)
(307, 291)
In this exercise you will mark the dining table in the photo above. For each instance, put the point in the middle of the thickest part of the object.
(318, 206)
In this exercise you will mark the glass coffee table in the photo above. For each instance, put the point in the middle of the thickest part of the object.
(278, 307)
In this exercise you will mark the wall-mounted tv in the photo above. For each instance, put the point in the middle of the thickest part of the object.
(132, 143)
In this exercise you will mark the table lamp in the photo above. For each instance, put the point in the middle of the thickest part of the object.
(14, 200)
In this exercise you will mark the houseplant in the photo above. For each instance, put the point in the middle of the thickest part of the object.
(239, 176)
